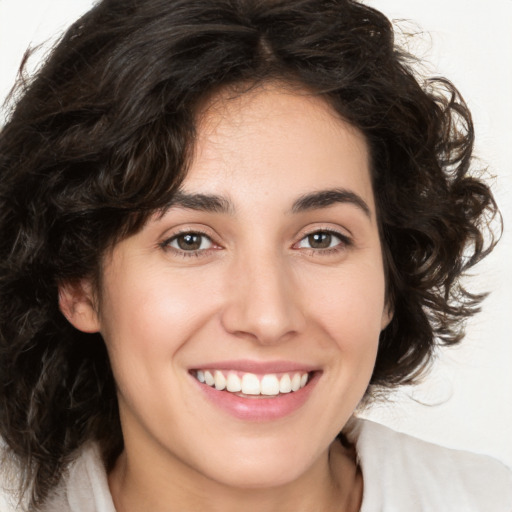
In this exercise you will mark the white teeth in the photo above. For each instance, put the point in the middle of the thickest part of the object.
(208, 378)
(234, 384)
(285, 384)
(269, 385)
(220, 380)
(296, 382)
(250, 384)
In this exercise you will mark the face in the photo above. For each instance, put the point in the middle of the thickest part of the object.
(242, 324)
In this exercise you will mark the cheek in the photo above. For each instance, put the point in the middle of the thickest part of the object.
(146, 320)
(350, 305)
(154, 313)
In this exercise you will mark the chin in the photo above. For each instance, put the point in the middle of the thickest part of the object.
(260, 476)
(264, 466)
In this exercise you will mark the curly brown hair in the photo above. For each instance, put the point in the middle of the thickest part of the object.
(101, 138)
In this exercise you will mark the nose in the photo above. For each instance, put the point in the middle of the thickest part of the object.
(263, 300)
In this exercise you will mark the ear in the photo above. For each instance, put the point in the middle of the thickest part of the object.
(77, 304)
(387, 315)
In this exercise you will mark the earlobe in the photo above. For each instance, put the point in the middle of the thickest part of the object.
(77, 304)
(387, 316)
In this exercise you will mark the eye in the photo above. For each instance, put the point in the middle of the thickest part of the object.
(322, 240)
(190, 242)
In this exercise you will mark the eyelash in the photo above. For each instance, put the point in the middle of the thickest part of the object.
(344, 243)
(166, 244)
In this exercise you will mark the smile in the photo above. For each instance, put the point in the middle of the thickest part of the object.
(251, 384)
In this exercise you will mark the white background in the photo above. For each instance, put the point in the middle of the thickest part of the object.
(467, 401)
(470, 42)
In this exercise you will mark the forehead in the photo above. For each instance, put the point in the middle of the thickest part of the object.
(276, 138)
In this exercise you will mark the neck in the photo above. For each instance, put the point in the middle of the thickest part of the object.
(332, 484)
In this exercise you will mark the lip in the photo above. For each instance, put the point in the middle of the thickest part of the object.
(258, 409)
(258, 367)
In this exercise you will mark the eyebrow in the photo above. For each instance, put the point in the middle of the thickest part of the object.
(201, 202)
(312, 201)
(326, 198)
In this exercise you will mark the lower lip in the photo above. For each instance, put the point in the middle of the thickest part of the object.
(258, 408)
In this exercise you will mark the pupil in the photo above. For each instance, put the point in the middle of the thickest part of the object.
(189, 242)
(319, 240)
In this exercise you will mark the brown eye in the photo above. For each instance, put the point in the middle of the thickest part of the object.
(320, 240)
(189, 242)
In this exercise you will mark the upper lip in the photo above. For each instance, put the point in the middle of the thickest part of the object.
(261, 367)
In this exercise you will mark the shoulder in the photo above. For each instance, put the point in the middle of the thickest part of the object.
(403, 473)
(9, 479)
(85, 487)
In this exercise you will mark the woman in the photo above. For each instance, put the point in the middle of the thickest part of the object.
(225, 224)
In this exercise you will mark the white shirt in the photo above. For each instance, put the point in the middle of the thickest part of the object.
(400, 474)
(405, 474)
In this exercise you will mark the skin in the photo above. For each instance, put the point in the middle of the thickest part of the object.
(259, 288)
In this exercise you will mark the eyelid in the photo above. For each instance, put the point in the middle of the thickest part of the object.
(311, 230)
(345, 239)
(165, 244)
(203, 239)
